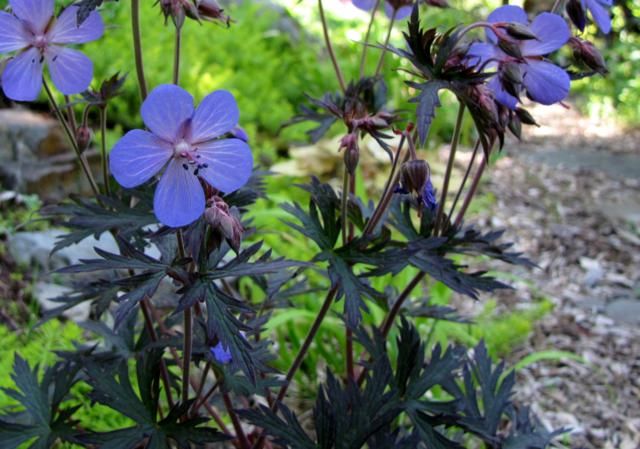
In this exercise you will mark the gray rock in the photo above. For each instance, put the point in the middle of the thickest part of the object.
(45, 292)
(624, 310)
(34, 248)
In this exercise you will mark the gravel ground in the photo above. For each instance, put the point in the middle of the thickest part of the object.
(580, 221)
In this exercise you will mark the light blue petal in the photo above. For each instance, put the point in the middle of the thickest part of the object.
(71, 71)
(546, 83)
(166, 110)
(13, 35)
(230, 164)
(35, 13)
(552, 33)
(217, 114)
(22, 76)
(179, 198)
(66, 30)
(138, 156)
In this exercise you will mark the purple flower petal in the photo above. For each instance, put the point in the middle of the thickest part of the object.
(546, 83)
(165, 111)
(502, 96)
(13, 35)
(599, 14)
(66, 30)
(481, 53)
(404, 12)
(179, 198)
(230, 163)
(217, 114)
(365, 5)
(552, 32)
(138, 156)
(22, 77)
(71, 71)
(507, 13)
(221, 354)
(35, 13)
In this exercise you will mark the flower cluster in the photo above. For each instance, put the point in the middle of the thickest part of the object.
(39, 38)
(190, 145)
(520, 62)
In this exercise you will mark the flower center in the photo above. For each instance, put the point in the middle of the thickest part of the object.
(188, 156)
(40, 41)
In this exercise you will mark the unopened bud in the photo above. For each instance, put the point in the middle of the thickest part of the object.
(223, 222)
(586, 53)
(515, 126)
(83, 137)
(211, 10)
(525, 117)
(518, 31)
(575, 11)
(510, 47)
(351, 152)
(437, 3)
(414, 175)
(511, 78)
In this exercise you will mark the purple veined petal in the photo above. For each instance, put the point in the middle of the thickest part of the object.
(546, 83)
(599, 14)
(165, 111)
(66, 30)
(507, 13)
(552, 32)
(502, 96)
(179, 198)
(216, 114)
(22, 76)
(481, 53)
(365, 5)
(71, 71)
(137, 156)
(13, 35)
(35, 13)
(229, 163)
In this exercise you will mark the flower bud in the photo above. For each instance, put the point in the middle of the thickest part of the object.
(510, 76)
(510, 47)
(211, 10)
(223, 222)
(515, 126)
(437, 3)
(575, 11)
(586, 53)
(351, 152)
(83, 137)
(525, 117)
(414, 175)
(518, 31)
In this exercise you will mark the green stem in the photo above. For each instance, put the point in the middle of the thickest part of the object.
(327, 41)
(447, 175)
(72, 140)
(363, 58)
(176, 56)
(105, 156)
(386, 43)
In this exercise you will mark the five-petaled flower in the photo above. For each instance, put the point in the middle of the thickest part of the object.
(543, 81)
(398, 9)
(39, 38)
(191, 143)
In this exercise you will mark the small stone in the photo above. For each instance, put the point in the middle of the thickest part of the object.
(624, 311)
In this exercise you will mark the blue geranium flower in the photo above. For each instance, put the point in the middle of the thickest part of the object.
(543, 81)
(188, 142)
(221, 354)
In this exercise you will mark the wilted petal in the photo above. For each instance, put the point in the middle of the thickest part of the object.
(365, 5)
(217, 114)
(599, 14)
(546, 83)
(13, 35)
(230, 163)
(22, 77)
(166, 109)
(71, 71)
(552, 33)
(502, 96)
(507, 13)
(35, 13)
(138, 156)
(179, 198)
(481, 53)
(66, 30)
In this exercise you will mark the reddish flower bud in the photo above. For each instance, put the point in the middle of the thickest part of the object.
(224, 223)
(525, 117)
(518, 31)
(211, 10)
(83, 137)
(510, 47)
(437, 3)
(510, 76)
(351, 151)
(586, 53)
(414, 176)
(575, 11)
